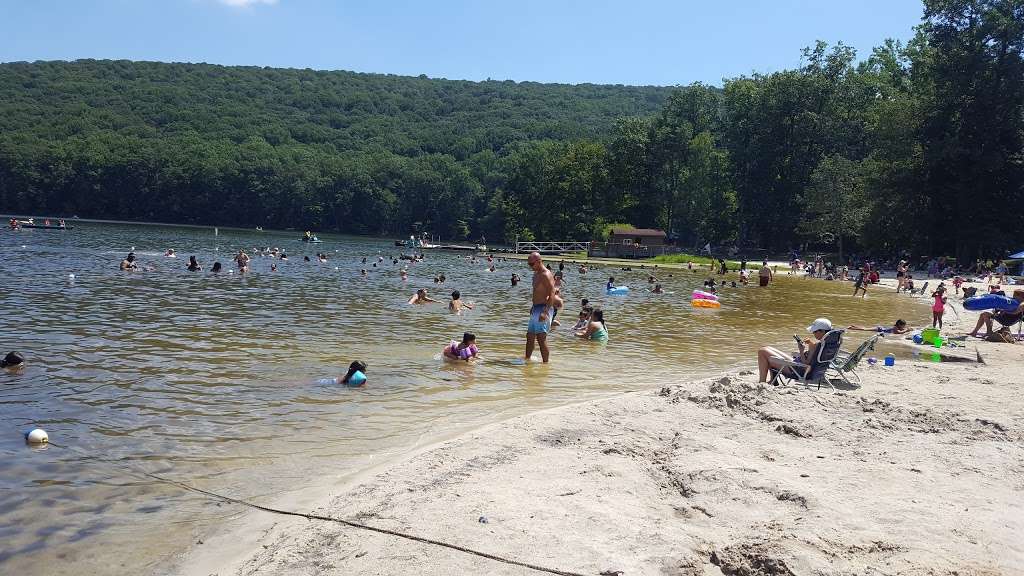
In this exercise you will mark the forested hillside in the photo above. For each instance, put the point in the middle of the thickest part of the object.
(912, 147)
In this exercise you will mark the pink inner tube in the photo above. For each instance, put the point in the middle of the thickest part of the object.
(702, 295)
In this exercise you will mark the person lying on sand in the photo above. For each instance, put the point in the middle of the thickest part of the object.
(900, 327)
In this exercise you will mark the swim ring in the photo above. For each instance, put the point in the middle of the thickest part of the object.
(705, 303)
(990, 302)
(702, 295)
(620, 290)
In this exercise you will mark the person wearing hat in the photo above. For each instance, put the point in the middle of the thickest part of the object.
(769, 358)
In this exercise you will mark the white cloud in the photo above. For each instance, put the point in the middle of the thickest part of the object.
(246, 3)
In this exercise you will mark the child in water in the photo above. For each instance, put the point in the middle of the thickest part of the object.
(455, 306)
(584, 319)
(465, 350)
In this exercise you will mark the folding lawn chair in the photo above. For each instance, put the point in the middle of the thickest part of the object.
(846, 363)
(816, 371)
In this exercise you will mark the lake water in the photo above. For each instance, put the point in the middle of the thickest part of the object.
(212, 379)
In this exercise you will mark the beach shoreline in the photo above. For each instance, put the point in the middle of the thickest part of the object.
(907, 474)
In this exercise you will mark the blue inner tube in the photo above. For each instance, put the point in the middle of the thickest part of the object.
(619, 290)
(991, 302)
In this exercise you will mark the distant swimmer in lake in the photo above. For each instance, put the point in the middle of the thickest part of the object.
(657, 289)
(515, 278)
(242, 259)
(420, 297)
(12, 361)
(462, 351)
(900, 327)
(404, 274)
(356, 375)
(216, 268)
(764, 275)
(170, 253)
(193, 265)
(543, 303)
(584, 320)
(129, 262)
(456, 304)
(596, 329)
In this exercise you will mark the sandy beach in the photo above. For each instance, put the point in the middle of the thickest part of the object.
(920, 471)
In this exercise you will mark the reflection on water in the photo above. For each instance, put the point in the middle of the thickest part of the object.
(212, 379)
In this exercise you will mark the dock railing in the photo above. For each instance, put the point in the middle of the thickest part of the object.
(552, 247)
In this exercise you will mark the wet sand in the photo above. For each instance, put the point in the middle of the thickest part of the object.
(920, 471)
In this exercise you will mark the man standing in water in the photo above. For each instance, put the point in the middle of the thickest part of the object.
(543, 302)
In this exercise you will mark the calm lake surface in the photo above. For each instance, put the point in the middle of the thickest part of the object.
(213, 379)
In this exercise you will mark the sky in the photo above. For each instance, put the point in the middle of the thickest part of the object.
(660, 42)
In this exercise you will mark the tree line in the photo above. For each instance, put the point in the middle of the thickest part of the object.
(916, 146)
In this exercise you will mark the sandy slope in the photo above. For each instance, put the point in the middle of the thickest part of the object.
(919, 472)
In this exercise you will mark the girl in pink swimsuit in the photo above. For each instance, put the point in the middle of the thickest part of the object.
(939, 307)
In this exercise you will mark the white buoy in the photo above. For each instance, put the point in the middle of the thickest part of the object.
(71, 276)
(37, 436)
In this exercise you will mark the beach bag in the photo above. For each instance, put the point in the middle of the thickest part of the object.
(1003, 335)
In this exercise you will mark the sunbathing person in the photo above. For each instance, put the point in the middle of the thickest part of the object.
(900, 327)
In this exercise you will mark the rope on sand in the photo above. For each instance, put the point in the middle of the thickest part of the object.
(349, 523)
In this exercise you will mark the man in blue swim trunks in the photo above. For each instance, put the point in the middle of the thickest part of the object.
(543, 302)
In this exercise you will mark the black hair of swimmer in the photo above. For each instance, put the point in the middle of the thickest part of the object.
(456, 295)
(584, 302)
(468, 337)
(597, 315)
(216, 267)
(131, 257)
(355, 366)
(306, 258)
(12, 359)
(901, 323)
(611, 278)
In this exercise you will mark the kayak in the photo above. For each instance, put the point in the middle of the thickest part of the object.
(991, 302)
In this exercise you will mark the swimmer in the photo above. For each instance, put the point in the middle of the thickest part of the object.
(170, 253)
(404, 274)
(354, 368)
(610, 284)
(193, 265)
(216, 268)
(581, 324)
(362, 272)
(515, 278)
(129, 262)
(242, 259)
(651, 280)
(12, 361)
(582, 269)
(455, 306)
(420, 297)
(657, 289)
(273, 267)
(305, 258)
(283, 256)
(596, 329)
(900, 327)
(465, 350)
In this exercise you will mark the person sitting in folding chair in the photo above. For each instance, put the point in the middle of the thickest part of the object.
(772, 359)
(1006, 318)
